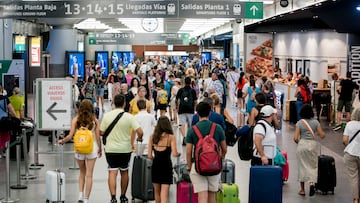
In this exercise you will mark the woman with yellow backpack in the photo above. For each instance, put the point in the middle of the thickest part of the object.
(87, 145)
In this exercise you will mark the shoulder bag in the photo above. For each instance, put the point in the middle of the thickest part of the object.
(111, 126)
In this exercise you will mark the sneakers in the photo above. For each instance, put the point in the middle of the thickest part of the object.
(337, 127)
(113, 201)
(124, 199)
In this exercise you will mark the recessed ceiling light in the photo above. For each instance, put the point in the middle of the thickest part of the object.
(358, 8)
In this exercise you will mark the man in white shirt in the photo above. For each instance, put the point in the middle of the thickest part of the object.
(144, 68)
(132, 66)
(148, 123)
(264, 137)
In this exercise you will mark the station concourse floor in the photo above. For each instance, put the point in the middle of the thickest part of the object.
(35, 193)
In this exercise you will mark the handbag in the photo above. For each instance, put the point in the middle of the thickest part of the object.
(279, 159)
(230, 133)
(8, 123)
(111, 126)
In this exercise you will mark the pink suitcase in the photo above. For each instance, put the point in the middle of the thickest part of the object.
(285, 167)
(185, 193)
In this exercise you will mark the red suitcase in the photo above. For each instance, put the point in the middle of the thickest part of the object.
(185, 193)
(285, 167)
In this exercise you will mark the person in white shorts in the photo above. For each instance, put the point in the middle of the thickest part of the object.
(85, 118)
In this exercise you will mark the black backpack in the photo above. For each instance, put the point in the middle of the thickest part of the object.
(269, 98)
(186, 99)
(259, 115)
(246, 143)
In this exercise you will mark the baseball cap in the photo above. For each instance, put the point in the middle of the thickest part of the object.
(267, 110)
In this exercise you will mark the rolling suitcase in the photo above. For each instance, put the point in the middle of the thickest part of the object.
(97, 112)
(55, 186)
(55, 183)
(285, 167)
(326, 181)
(265, 184)
(228, 194)
(228, 172)
(293, 112)
(141, 183)
(184, 189)
(185, 193)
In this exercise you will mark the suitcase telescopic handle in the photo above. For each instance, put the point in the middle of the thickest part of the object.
(137, 151)
(274, 153)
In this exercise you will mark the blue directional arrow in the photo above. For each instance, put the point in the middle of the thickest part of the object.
(50, 111)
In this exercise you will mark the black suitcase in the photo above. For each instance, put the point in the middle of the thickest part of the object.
(228, 172)
(106, 94)
(141, 183)
(97, 112)
(293, 112)
(326, 181)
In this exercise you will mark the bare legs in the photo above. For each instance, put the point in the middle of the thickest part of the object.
(161, 192)
(206, 197)
(86, 176)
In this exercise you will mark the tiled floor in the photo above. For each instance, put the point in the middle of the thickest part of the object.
(35, 192)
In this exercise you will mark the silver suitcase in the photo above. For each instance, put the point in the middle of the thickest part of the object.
(228, 172)
(55, 186)
(55, 182)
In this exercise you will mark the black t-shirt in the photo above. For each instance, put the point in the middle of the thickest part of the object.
(347, 87)
(128, 97)
(178, 97)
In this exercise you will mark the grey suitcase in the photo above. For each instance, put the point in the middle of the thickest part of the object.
(228, 172)
(141, 183)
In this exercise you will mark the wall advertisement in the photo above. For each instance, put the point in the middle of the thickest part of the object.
(35, 52)
(259, 54)
(354, 57)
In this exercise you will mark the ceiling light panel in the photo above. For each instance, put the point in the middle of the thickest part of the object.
(91, 23)
(196, 27)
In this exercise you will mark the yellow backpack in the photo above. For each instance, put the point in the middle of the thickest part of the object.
(83, 141)
(163, 97)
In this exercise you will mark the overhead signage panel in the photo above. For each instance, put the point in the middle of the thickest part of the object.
(136, 38)
(210, 9)
(123, 9)
(89, 9)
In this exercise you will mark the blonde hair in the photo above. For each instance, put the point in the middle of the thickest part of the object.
(355, 116)
(216, 98)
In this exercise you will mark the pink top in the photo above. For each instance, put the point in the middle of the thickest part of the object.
(128, 79)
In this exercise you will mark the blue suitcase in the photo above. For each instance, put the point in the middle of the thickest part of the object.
(265, 184)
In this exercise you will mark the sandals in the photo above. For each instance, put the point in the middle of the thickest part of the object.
(312, 190)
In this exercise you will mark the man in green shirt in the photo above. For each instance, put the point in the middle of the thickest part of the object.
(205, 186)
